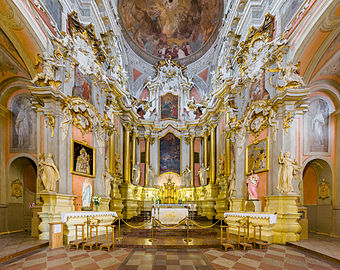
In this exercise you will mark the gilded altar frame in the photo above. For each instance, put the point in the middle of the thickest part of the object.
(76, 146)
(180, 154)
(253, 156)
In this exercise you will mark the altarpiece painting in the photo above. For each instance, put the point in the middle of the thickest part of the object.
(82, 86)
(82, 159)
(257, 156)
(169, 107)
(169, 154)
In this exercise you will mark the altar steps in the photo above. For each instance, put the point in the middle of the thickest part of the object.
(165, 232)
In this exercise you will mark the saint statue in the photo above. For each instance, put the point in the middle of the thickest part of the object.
(253, 182)
(107, 179)
(288, 168)
(186, 174)
(151, 176)
(48, 172)
(203, 175)
(87, 193)
(232, 181)
(83, 162)
(136, 174)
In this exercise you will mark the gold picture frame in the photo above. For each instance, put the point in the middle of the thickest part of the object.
(83, 159)
(159, 154)
(257, 156)
(167, 107)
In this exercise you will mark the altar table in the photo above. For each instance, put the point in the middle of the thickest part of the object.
(170, 215)
(81, 217)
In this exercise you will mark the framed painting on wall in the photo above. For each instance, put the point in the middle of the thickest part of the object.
(169, 154)
(169, 107)
(83, 159)
(257, 156)
(82, 86)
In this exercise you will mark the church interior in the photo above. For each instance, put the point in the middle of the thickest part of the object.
(169, 134)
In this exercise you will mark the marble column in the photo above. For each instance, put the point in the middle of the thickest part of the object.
(212, 155)
(134, 147)
(3, 114)
(112, 160)
(192, 140)
(205, 148)
(127, 161)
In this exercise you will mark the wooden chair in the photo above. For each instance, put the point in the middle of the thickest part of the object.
(108, 244)
(90, 243)
(226, 245)
(261, 244)
(76, 243)
(244, 244)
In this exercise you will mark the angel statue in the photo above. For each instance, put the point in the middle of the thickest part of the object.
(288, 169)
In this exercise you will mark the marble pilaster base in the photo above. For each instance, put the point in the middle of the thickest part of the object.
(287, 227)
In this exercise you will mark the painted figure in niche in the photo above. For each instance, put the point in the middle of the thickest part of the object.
(83, 162)
(203, 175)
(288, 169)
(136, 174)
(82, 86)
(186, 174)
(253, 182)
(151, 176)
(320, 122)
(87, 193)
(107, 179)
(22, 125)
(48, 173)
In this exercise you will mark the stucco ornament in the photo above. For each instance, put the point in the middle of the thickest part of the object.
(84, 116)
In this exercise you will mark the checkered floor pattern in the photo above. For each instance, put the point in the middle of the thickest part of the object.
(275, 257)
(62, 258)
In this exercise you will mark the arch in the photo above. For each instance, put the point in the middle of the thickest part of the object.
(320, 209)
(330, 89)
(21, 189)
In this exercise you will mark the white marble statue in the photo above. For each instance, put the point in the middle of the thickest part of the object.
(186, 177)
(136, 174)
(203, 174)
(107, 179)
(288, 168)
(232, 181)
(151, 176)
(86, 193)
(48, 173)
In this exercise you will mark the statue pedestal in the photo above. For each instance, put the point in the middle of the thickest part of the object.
(253, 206)
(53, 204)
(104, 204)
(221, 207)
(208, 200)
(287, 227)
(35, 221)
(116, 204)
(130, 202)
(236, 205)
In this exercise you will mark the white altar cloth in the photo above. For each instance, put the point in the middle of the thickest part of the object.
(77, 214)
(272, 217)
(170, 215)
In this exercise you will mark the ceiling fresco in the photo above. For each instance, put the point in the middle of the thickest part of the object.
(170, 28)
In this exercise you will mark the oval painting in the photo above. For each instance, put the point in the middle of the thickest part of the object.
(171, 28)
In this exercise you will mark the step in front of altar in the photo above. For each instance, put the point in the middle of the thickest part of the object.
(181, 231)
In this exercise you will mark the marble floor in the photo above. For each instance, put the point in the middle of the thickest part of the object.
(324, 245)
(275, 257)
(18, 243)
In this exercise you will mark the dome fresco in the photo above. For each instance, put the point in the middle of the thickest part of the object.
(170, 28)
